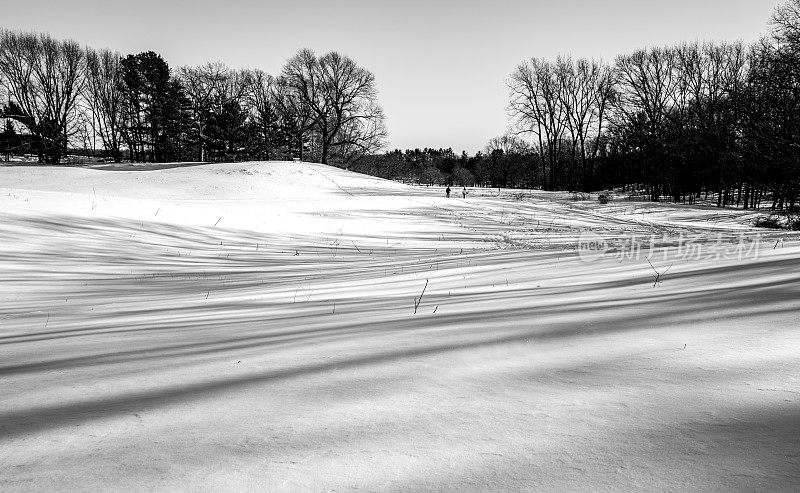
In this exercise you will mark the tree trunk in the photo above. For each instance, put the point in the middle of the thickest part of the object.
(300, 145)
(325, 150)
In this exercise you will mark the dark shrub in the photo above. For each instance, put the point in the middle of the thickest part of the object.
(770, 222)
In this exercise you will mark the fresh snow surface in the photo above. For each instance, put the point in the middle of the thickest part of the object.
(262, 326)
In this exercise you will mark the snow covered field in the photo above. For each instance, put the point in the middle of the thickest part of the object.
(289, 326)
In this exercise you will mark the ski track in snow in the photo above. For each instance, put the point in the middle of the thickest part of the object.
(252, 326)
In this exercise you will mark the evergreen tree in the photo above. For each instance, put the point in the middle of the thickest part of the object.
(153, 103)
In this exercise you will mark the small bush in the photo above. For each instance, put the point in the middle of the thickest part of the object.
(604, 197)
(770, 222)
(519, 196)
(578, 196)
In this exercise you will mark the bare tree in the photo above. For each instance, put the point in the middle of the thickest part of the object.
(505, 158)
(586, 87)
(786, 25)
(605, 94)
(43, 78)
(648, 80)
(202, 86)
(103, 97)
(295, 115)
(572, 97)
(264, 110)
(772, 111)
(341, 100)
(708, 78)
(537, 108)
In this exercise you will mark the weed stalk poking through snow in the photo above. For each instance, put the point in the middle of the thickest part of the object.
(417, 301)
(657, 277)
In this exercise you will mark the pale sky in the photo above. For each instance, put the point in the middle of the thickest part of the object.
(440, 65)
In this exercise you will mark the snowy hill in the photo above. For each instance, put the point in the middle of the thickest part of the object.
(292, 326)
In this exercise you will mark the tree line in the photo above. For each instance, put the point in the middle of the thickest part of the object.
(137, 108)
(711, 121)
(677, 122)
(503, 162)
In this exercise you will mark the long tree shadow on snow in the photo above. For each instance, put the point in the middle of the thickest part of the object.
(33, 419)
(470, 328)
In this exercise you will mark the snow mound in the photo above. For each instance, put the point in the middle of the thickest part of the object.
(275, 196)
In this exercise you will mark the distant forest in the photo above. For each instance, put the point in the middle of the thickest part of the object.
(710, 121)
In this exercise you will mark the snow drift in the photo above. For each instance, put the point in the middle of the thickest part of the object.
(290, 326)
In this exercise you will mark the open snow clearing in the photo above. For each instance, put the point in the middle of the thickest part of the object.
(289, 326)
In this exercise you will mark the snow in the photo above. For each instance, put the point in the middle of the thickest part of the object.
(252, 326)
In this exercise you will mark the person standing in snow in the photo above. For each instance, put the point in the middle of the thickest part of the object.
(464, 193)
(447, 191)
